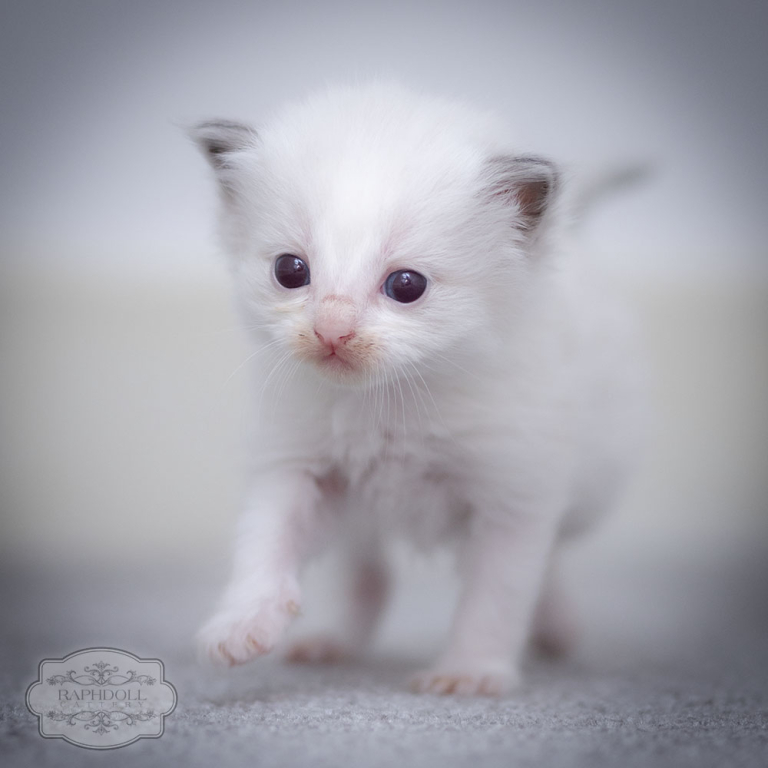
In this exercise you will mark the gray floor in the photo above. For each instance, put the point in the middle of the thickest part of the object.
(679, 679)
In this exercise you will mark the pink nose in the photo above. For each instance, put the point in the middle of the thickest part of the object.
(334, 335)
(335, 321)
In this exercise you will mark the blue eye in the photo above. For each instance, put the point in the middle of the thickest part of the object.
(405, 285)
(291, 271)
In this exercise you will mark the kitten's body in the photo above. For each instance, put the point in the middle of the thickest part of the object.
(496, 410)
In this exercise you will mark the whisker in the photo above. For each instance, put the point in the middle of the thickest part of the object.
(319, 386)
(217, 398)
(380, 399)
(417, 399)
(250, 357)
(286, 356)
(429, 392)
(388, 422)
(367, 393)
(402, 403)
(239, 329)
(286, 375)
(456, 365)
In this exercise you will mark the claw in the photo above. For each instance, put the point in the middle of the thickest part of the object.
(255, 644)
(226, 654)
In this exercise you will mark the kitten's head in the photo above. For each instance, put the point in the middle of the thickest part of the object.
(372, 230)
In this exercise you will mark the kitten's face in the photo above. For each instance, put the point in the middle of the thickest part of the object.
(368, 246)
(358, 292)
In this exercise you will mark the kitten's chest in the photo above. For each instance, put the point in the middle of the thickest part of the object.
(366, 439)
(397, 472)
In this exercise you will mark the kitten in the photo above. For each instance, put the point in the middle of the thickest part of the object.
(446, 371)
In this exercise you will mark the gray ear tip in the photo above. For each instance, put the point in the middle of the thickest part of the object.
(222, 126)
(219, 137)
(534, 166)
(530, 182)
(540, 168)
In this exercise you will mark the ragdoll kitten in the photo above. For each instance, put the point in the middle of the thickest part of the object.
(439, 369)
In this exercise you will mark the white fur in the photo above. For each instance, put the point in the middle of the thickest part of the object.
(497, 410)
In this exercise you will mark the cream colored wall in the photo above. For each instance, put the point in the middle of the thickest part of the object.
(121, 427)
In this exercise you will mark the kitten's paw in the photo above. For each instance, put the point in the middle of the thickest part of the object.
(318, 650)
(469, 682)
(235, 637)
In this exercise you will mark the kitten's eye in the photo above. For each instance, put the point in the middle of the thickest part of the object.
(291, 271)
(405, 285)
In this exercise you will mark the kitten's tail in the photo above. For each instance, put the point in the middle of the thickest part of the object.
(590, 189)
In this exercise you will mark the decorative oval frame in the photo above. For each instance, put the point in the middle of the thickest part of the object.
(92, 700)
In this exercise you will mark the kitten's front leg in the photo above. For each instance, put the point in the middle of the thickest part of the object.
(263, 593)
(502, 570)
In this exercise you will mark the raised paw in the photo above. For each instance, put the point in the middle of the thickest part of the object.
(235, 637)
(464, 683)
(317, 650)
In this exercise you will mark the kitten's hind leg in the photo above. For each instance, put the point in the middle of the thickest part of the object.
(366, 587)
(555, 629)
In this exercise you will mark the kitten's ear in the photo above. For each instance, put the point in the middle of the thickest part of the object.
(220, 142)
(528, 183)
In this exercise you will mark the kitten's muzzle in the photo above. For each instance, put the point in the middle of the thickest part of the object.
(332, 340)
(335, 322)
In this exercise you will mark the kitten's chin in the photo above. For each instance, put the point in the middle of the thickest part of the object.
(341, 371)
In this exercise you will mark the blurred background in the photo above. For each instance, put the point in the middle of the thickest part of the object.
(121, 420)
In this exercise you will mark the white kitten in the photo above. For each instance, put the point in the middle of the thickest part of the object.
(450, 372)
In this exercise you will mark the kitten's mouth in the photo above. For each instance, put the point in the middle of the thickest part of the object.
(350, 363)
(342, 368)
(336, 362)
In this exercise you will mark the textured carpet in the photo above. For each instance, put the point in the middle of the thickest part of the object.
(680, 680)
